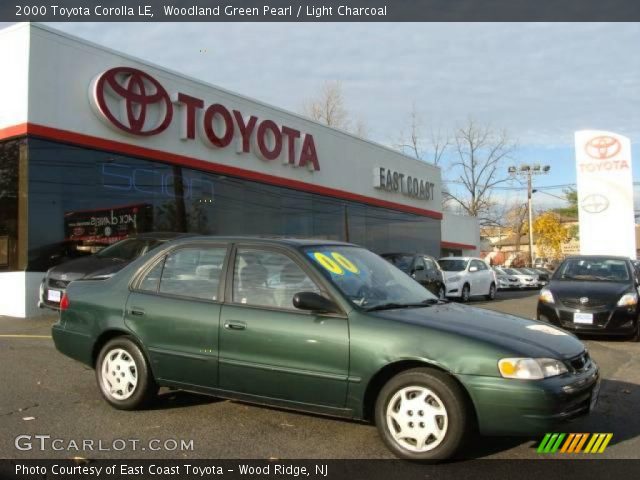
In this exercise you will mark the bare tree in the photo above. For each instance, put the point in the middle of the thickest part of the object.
(436, 142)
(329, 106)
(480, 151)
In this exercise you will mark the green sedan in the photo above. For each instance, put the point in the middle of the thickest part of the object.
(324, 327)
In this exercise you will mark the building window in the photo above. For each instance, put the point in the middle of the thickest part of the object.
(9, 202)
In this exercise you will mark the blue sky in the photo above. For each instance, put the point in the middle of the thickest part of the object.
(541, 82)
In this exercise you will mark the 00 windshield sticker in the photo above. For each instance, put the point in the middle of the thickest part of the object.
(335, 263)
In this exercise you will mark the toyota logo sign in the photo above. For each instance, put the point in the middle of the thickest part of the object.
(595, 203)
(602, 147)
(132, 101)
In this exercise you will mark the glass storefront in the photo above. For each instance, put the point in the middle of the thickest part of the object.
(81, 200)
(9, 203)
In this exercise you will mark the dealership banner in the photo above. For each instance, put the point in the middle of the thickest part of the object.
(605, 194)
(322, 469)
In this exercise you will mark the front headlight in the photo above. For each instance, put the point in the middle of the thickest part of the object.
(628, 300)
(546, 296)
(453, 279)
(531, 368)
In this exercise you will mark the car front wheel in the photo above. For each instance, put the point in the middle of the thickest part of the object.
(492, 292)
(123, 375)
(421, 414)
(466, 293)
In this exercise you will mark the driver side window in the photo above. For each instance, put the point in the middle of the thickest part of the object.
(268, 279)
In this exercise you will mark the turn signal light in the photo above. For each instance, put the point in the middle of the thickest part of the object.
(64, 302)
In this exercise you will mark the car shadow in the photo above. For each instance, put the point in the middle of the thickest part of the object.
(171, 399)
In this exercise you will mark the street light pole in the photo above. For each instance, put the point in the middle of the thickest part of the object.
(529, 171)
(529, 202)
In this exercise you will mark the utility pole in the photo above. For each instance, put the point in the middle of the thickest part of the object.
(529, 171)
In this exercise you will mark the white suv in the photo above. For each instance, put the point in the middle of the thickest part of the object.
(466, 277)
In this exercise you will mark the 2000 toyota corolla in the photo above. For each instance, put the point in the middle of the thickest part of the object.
(325, 327)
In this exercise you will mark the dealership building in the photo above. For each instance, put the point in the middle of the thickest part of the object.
(96, 146)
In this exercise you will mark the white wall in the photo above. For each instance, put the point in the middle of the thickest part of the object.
(14, 52)
(19, 294)
(462, 229)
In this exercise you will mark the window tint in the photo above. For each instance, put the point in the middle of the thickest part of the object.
(268, 279)
(419, 262)
(481, 265)
(193, 272)
(150, 281)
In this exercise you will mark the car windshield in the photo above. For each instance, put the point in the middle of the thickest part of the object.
(368, 280)
(402, 261)
(128, 249)
(453, 265)
(498, 270)
(593, 269)
(511, 271)
(528, 271)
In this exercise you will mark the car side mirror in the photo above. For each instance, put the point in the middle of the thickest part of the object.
(315, 303)
(473, 269)
(418, 267)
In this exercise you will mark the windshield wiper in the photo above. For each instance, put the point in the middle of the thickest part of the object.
(391, 306)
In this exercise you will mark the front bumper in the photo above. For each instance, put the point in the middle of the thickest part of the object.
(606, 321)
(453, 289)
(521, 407)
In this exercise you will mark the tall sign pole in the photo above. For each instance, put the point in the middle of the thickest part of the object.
(605, 194)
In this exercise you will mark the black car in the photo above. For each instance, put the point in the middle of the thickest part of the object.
(98, 266)
(591, 295)
(423, 268)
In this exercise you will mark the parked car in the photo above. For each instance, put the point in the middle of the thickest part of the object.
(326, 327)
(527, 279)
(539, 282)
(423, 268)
(506, 281)
(99, 266)
(543, 275)
(466, 277)
(593, 295)
(540, 262)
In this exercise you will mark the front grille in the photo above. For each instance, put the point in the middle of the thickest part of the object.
(580, 363)
(54, 283)
(575, 303)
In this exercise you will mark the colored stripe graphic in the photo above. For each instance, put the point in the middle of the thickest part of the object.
(573, 443)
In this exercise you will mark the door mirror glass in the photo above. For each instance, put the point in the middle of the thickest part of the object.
(314, 302)
(473, 269)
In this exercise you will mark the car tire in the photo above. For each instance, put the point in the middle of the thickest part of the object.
(123, 375)
(442, 293)
(492, 292)
(465, 295)
(398, 414)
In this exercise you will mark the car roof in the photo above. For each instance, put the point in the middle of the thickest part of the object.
(594, 257)
(266, 240)
(460, 258)
(388, 254)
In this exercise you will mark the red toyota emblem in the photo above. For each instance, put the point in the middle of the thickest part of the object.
(602, 147)
(145, 106)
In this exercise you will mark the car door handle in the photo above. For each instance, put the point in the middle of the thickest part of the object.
(138, 312)
(235, 325)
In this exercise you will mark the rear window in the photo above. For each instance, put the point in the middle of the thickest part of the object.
(403, 262)
(593, 270)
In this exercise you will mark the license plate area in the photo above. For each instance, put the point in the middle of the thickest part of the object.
(583, 318)
(54, 295)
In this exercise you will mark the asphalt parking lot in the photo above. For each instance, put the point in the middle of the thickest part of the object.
(45, 393)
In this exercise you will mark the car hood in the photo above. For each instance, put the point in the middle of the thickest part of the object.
(86, 266)
(522, 337)
(606, 291)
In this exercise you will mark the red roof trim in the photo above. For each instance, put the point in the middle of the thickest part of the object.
(463, 246)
